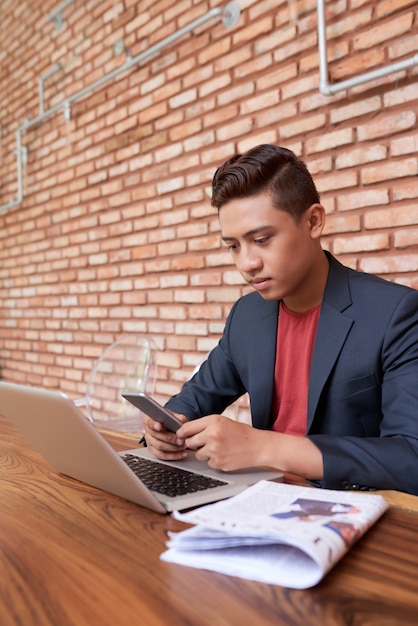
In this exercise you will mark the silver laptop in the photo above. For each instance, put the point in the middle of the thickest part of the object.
(59, 431)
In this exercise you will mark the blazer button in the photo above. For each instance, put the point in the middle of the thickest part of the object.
(346, 485)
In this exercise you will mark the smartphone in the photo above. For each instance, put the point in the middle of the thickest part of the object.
(150, 407)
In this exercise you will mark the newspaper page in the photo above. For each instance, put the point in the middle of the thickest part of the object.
(275, 533)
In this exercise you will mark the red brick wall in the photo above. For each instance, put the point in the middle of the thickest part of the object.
(115, 233)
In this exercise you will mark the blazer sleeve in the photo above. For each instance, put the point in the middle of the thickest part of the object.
(390, 460)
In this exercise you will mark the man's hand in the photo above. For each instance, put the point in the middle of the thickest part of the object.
(228, 445)
(225, 444)
(163, 444)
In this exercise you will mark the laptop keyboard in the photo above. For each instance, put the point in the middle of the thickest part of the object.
(168, 480)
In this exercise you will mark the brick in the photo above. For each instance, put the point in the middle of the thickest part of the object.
(406, 238)
(188, 196)
(357, 109)
(151, 113)
(220, 116)
(196, 109)
(189, 295)
(392, 217)
(404, 145)
(199, 141)
(232, 60)
(303, 125)
(171, 185)
(205, 311)
(137, 326)
(223, 295)
(201, 74)
(407, 45)
(336, 181)
(358, 63)
(159, 297)
(315, 101)
(276, 115)
(383, 32)
(244, 35)
(214, 51)
(276, 40)
(168, 91)
(181, 68)
(144, 252)
(286, 50)
(276, 77)
(211, 242)
(233, 278)
(235, 93)
(206, 278)
(351, 23)
(361, 243)
(330, 140)
(364, 198)
(362, 154)
(191, 328)
(188, 263)
(390, 264)
(342, 224)
(173, 312)
(386, 171)
(262, 101)
(401, 191)
(186, 129)
(266, 136)
(182, 99)
(155, 140)
(386, 125)
(169, 120)
(239, 128)
(174, 281)
(299, 87)
(387, 7)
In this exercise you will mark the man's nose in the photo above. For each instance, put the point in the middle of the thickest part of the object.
(249, 262)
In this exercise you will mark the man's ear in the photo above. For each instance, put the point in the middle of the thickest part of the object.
(316, 219)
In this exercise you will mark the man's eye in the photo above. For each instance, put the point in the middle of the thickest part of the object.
(232, 246)
(261, 240)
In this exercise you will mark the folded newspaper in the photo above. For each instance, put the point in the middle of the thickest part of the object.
(275, 533)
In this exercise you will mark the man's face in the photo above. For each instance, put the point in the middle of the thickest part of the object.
(275, 254)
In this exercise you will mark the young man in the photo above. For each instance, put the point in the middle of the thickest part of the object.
(329, 356)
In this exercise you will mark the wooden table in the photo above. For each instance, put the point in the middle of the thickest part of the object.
(73, 555)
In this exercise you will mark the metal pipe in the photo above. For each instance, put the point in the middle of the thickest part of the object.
(130, 62)
(322, 49)
(230, 15)
(20, 155)
(56, 15)
(328, 89)
(41, 81)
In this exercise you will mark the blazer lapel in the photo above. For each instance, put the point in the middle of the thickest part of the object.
(263, 355)
(333, 328)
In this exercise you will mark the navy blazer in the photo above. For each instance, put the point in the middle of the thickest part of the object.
(363, 389)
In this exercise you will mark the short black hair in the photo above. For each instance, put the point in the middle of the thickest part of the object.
(266, 169)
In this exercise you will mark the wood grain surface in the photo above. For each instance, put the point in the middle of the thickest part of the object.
(73, 555)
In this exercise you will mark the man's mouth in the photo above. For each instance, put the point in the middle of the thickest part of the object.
(260, 283)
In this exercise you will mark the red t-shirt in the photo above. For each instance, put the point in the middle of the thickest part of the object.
(295, 343)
